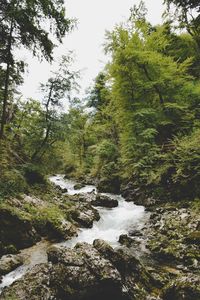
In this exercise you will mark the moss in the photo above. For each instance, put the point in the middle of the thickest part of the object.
(16, 211)
(193, 237)
(51, 213)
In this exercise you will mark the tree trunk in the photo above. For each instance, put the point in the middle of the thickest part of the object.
(43, 143)
(5, 94)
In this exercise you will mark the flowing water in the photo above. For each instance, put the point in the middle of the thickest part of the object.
(113, 222)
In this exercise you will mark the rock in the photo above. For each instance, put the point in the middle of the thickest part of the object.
(135, 277)
(35, 285)
(131, 193)
(62, 190)
(104, 201)
(16, 230)
(111, 185)
(79, 186)
(85, 215)
(172, 235)
(104, 248)
(10, 262)
(193, 238)
(82, 273)
(126, 240)
(185, 287)
(135, 233)
(86, 272)
(65, 190)
(60, 230)
(85, 197)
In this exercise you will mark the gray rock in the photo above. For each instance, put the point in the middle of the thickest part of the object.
(185, 287)
(79, 186)
(16, 231)
(35, 285)
(85, 215)
(104, 201)
(10, 262)
(86, 272)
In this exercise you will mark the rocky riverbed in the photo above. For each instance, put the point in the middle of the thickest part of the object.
(155, 256)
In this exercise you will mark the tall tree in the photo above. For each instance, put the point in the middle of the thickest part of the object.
(57, 88)
(28, 23)
(187, 12)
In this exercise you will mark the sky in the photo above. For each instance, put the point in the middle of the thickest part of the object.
(94, 17)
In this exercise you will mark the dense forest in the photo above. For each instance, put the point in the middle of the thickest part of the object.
(139, 121)
(138, 125)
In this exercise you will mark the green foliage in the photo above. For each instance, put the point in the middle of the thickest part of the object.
(186, 158)
(33, 174)
(12, 182)
(139, 121)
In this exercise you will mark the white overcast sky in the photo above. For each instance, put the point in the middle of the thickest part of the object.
(94, 17)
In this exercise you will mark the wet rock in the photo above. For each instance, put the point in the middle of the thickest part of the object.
(135, 277)
(65, 190)
(35, 285)
(135, 233)
(111, 185)
(85, 197)
(126, 240)
(185, 287)
(60, 230)
(131, 193)
(193, 238)
(10, 262)
(104, 201)
(79, 186)
(15, 230)
(82, 273)
(61, 189)
(86, 272)
(104, 249)
(85, 215)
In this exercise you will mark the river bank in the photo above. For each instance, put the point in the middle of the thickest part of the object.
(158, 255)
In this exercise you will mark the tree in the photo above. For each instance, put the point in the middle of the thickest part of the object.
(149, 92)
(28, 24)
(188, 17)
(57, 88)
(97, 95)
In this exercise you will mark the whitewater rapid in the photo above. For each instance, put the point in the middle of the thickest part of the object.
(113, 222)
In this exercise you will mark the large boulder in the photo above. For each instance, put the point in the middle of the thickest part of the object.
(109, 185)
(131, 193)
(82, 273)
(85, 215)
(104, 201)
(184, 288)
(16, 230)
(35, 285)
(62, 230)
(135, 277)
(86, 272)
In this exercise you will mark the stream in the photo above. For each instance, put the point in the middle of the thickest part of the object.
(113, 222)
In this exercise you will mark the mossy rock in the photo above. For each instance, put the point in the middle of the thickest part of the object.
(16, 231)
(183, 288)
(193, 238)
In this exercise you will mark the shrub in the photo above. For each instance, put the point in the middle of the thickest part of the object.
(33, 174)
